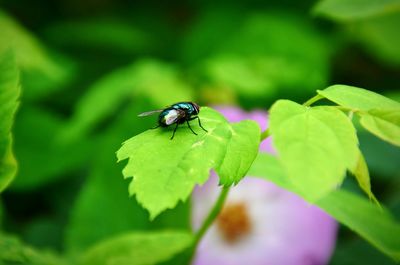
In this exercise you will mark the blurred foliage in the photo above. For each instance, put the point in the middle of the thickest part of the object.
(9, 94)
(138, 248)
(89, 67)
(12, 251)
(372, 23)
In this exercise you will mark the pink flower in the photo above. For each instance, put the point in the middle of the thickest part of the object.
(261, 224)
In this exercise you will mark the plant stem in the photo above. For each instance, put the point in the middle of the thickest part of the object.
(210, 218)
(264, 135)
(313, 100)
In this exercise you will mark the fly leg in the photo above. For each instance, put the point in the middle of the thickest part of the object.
(155, 127)
(187, 121)
(197, 117)
(173, 134)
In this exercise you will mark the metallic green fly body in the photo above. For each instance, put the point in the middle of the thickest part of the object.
(177, 113)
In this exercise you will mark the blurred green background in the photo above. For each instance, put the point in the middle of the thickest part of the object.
(89, 67)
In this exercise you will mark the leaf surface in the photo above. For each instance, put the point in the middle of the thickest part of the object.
(357, 98)
(343, 10)
(156, 81)
(165, 171)
(315, 145)
(138, 248)
(361, 173)
(384, 123)
(373, 223)
(13, 251)
(41, 73)
(9, 94)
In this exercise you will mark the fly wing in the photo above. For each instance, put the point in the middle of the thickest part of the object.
(149, 113)
(174, 116)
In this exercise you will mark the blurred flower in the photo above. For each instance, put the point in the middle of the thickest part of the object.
(261, 224)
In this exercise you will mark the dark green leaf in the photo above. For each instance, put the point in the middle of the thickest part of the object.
(379, 36)
(138, 248)
(122, 36)
(344, 10)
(13, 251)
(166, 171)
(35, 62)
(253, 58)
(54, 160)
(357, 98)
(382, 158)
(147, 78)
(315, 145)
(9, 94)
(374, 24)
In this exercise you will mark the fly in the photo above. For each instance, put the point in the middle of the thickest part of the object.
(177, 113)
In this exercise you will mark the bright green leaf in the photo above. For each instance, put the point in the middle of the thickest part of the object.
(357, 98)
(138, 248)
(268, 166)
(165, 171)
(384, 123)
(157, 81)
(367, 219)
(361, 173)
(344, 10)
(13, 251)
(315, 145)
(9, 94)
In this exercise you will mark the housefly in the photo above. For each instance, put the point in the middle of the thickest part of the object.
(177, 113)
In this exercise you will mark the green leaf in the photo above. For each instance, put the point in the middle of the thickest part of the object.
(166, 171)
(361, 173)
(344, 10)
(39, 168)
(268, 166)
(382, 158)
(9, 94)
(258, 76)
(122, 213)
(368, 220)
(379, 37)
(384, 123)
(379, 115)
(122, 36)
(315, 145)
(35, 62)
(13, 251)
(138, 248)
(373, 24)
(357, 98)
(253, 58)
(159, 82)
